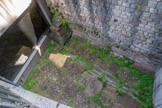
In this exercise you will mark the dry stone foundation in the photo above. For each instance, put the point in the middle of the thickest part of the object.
(132, 28)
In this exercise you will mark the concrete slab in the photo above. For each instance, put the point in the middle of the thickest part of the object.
(36, 100)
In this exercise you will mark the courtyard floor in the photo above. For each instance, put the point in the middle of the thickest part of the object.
(82, 76)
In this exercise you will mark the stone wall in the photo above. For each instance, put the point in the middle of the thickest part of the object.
(132, 27)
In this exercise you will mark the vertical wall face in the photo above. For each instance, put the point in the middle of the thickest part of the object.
(133, 24)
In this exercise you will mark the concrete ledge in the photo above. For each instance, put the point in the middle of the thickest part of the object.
(34, 99)
(157, 90)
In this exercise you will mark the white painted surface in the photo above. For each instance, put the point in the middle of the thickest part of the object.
(10, 10)
(36, 100)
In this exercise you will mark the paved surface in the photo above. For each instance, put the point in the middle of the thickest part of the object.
(76, 76)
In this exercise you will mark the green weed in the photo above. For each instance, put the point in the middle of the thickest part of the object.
(81, 88)
(89, 73)
(70, 101)
(101, 78)
(65, 24)
(53, 10)
(50, 47)
(62, 20)
(29, 82)
(35, 90)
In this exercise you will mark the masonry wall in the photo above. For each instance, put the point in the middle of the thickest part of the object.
(132, 28)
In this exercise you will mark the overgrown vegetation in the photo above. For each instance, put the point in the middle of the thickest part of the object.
(81, 88)
(70, 101)
(120, 85)
(61, 19)
(145, 86)
(50, 47)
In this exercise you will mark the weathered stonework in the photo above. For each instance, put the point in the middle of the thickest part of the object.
(132, 27)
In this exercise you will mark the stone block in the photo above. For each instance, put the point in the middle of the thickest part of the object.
(126, 4)
(152, 10)
(132, 1)
(110, 91)
(149, 41)
(144, 68)
(81, 18)
(159, 6)
(130, 10)
(154, 16)
(146, 14)
(141, 25)
(82, 51)
(115, 2)
(155, 29)
(94, 87)
(159, 26)
(113, 104)
(114, 68)
(128, 76)
(128, 101)
(160, 12)
(99, 18)
(120, 3)
(104, 99)
(152, 4)
(145, 9)
(134, 6)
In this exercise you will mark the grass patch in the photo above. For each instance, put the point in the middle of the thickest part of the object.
(77, 78)
(70, 101)
(145, 85)
(35, 90)
(89, 73)
(119, 86)
(81, 88)
(50, 46)
(45, 61)
(29, 82)
(101, 78)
